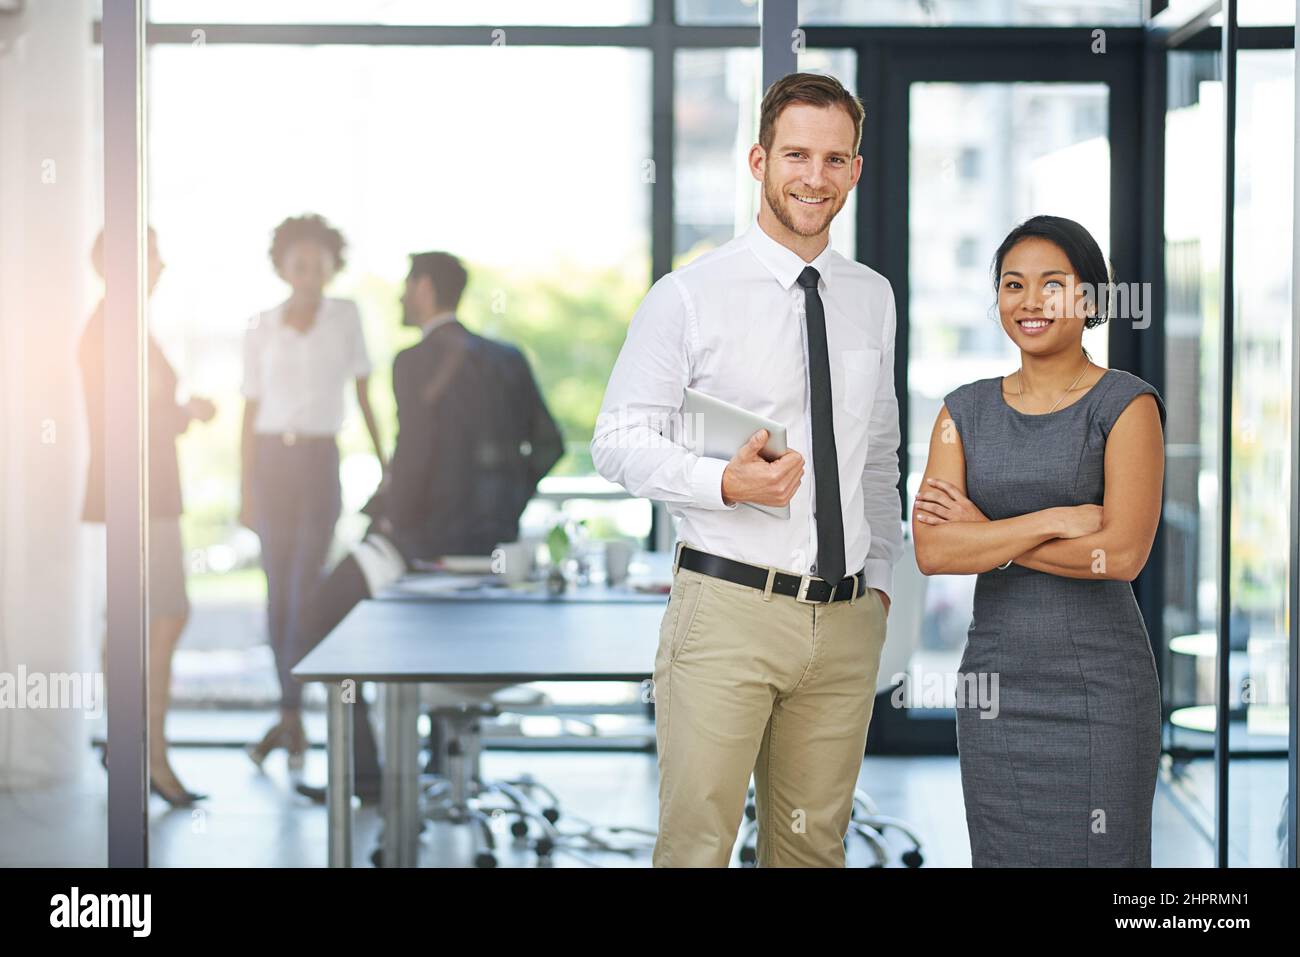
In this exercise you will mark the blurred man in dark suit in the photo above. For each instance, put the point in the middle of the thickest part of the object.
(475, 433)
(474, 438)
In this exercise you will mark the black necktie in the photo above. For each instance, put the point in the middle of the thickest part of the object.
(826, 467)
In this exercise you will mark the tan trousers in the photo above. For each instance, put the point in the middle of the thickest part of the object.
(778, 688)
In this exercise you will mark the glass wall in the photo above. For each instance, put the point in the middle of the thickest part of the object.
(715, 109)
(405, 12)
(1261, 428)
(1262, 435)
(983, 157)
(715, 114)
(53, 789)
(1030, 13)
(1189, 523)
(1039, 13)
(538, 180)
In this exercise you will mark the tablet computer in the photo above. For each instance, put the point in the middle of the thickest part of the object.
(718, 429)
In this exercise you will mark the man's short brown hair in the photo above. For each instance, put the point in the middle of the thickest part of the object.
(815, 88)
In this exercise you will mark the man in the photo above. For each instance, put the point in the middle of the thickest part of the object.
(474, 437)
(771, 641)
(475, 434)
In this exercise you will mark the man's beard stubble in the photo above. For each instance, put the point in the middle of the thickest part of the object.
(776, 200)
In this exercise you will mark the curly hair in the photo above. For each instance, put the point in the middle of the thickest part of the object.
(308, 226)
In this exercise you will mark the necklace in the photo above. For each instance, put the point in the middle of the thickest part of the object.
(1020, 381)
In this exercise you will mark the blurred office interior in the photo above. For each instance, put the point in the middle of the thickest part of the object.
(570, 153)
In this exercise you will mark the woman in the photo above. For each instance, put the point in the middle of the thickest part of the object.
(169, 607)
(298, 358)
(1047, 483)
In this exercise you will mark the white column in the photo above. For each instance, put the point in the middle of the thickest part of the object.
(49, 188)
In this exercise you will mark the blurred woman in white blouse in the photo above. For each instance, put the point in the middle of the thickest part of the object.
(298, 359)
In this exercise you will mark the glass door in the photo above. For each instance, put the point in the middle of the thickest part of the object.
(969, 139)
(982, 158)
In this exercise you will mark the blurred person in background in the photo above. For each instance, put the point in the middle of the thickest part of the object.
(169, 607)
(298, 359)
(474, 439)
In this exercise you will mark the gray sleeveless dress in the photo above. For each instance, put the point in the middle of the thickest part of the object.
(1062, 773)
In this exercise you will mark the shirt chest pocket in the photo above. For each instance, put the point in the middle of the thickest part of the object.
(859, 377)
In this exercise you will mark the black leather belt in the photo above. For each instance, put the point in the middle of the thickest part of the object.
(805, 588)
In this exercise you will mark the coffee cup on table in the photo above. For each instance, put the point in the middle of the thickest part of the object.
(512, 562)
(618, 555)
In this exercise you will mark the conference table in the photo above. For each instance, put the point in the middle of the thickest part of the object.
(432, 629)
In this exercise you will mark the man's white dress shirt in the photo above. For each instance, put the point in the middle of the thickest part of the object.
(298, 378)
(436, 320)
(731, 324)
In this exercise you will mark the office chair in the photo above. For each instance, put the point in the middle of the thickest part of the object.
(906, 611)
(453, 789)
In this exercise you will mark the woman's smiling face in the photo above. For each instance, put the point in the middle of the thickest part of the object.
(1041, 300)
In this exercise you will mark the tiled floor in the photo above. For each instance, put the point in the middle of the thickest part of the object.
(254, 819)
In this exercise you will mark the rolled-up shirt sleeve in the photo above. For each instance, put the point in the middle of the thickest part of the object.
(635, 442)
(880, 497)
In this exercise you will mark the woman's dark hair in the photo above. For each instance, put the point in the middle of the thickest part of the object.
(309, 226)
(1079, 247)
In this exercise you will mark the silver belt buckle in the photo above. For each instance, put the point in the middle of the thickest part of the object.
(804, 582)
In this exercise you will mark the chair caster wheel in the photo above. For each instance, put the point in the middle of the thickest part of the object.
(751, 812)
(519, 829)
(377, 857)
(748, 857)
(544, 846)
(484, 859)
(912, 858)
(551, 814)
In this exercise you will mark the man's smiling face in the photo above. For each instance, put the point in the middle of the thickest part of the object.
(811, 167)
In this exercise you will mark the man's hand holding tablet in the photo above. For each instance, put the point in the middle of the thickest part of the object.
(749, 477)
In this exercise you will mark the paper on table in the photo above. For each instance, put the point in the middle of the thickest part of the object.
(457, 564)
(437, 584)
